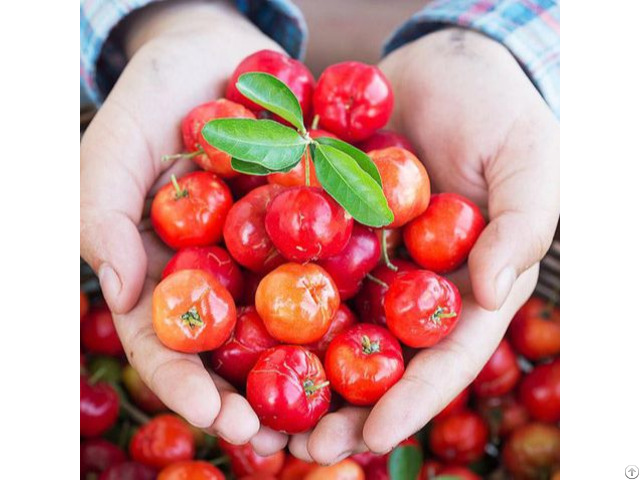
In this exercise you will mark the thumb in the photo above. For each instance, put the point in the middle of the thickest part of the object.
(523, 183)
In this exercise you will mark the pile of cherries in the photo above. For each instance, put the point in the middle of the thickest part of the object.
(305, 310)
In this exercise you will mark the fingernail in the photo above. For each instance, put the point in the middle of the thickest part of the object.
(109, 283)
(504, 283)
(343, 455)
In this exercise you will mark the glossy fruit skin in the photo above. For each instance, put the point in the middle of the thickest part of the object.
(341, 322)
(457, 405)
(502, 414)
(421, 308)
(500, 374)
(297, 302)
(535, 330)
(369, 300)
(363, 363)
(194, 217)
(192, 312)
(140, 393)
(165, 439)
(353, 100)
(98, 454)
(290, 71)
(98, 333)
(191, 470)
(213, 160)
(441, 238)
(295, 469)
(306, 224)
(296, 177)
(237, 356)
(242, 184)
(349, 267)
(540, 392)
(405, 183)
(214, 260)
(129, 471)
(532, 451)
(385, 139)
(287, 389)
(245, 234)
(245, 461)
(346, 469)
(459, 438)
(99, 407)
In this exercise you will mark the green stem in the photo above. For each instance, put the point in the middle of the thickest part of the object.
(180, 156)
(97, 375)
(314, 123)
(220, 461)
(369, 347)
(133, 412)
(311, 388)
(377, 280)
(385, 253)
(179, 192)
(307, 169)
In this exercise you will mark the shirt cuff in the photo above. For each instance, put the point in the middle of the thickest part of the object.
(102, 57)
(530, 29)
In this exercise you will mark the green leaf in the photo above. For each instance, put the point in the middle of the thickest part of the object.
(253, 168)
(264, 142)
(271, 93)
(358, 155)
(405, 463)
(343, 179)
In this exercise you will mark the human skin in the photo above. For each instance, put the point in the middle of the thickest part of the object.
(483, 131)
(180, 55)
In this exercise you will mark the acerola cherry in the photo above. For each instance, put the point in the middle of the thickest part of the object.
(98, 454)
(99, 407)
(341, 322)
(192, 312)
(141, 395)
(535, 330)
(532, 451)
(297, 177)
(297, 302)
(349, 267)
(363, 363)
(212, 160)
(245, 461)
(245, 234)
(369, 299)
(499, 375)
(305, 223)
(237, 356)
(540, 392)
(288, 389)
(295, 469)
(502, 414)
(242, 184)
(214, 260)
(346, 469)
(441, 238)
(353, 100)
(421, 308)
(191, 470)
(405, 183)
(291, 72)
(129, 471)
(459, 438)
(165, 439)
(385, 139)
(98, 333)
(458, 404)
(191, 211)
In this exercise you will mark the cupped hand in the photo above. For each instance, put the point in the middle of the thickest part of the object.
(482, 130)
(184, 53)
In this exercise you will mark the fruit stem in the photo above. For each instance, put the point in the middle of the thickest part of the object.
(181, 155)
(97, 375)
(440, 314)
(385, 253)
(310, 388)
(369, 347)
(179, 192)
(219, 461)
(192, 318)
(377, 280)
(315, 122)
(307, 169)
(134, 413)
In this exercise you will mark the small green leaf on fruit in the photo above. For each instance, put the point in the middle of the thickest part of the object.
(253, 168)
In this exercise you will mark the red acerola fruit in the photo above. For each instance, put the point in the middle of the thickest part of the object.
(499, 375)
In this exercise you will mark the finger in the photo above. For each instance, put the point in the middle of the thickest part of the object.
(436, 375)
(338, 435)
(523, 209)
(179, 379)
(298, 447)
(236, 423)
(267, 442)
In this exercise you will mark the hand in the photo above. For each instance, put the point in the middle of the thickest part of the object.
(483, 131)
(181, 55)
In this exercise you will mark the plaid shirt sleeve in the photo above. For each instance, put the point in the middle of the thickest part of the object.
(528, 28)
(102, 58)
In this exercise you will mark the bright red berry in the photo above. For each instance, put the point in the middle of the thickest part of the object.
(99, 407)
(540, 392)
(341, 322)
(165, 439)
(98, 333)
(535, 329)
(499, 375)
(245, 461)
(459, 438)
(191, 470)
